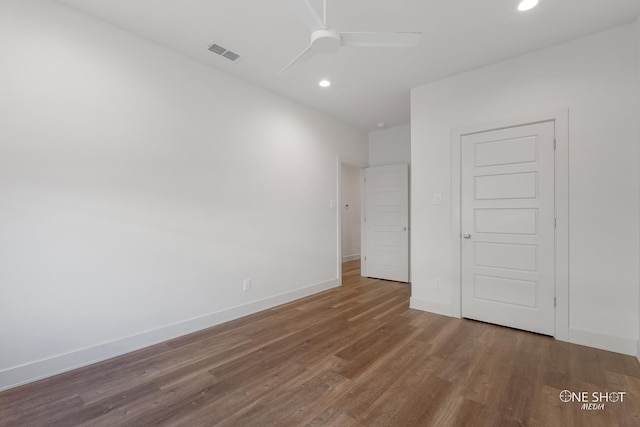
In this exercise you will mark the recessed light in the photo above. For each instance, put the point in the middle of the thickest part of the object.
(527, 5)
(324, 83)
(381, 124)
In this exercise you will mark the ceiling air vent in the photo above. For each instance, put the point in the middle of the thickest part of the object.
(231, 55)
(215, 48)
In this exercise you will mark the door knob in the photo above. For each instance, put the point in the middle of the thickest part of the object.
(466, 235)
(404, 228)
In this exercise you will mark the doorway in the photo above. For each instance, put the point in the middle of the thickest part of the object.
(510, 223)
(349, 212)
(508, 227)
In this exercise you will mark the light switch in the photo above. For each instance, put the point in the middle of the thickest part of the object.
(437, 199)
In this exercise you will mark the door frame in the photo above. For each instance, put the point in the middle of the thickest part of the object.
(361, 165)
(561, 261)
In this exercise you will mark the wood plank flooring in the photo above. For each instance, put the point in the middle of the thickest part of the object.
(353, 356)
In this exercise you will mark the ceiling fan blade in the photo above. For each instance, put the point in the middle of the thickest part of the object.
(308, 14)
(299, 61)
(380, 39)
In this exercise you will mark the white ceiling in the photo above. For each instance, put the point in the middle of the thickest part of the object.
(370, 85)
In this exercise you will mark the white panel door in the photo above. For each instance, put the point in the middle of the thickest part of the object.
(508, 227)
(386, 223)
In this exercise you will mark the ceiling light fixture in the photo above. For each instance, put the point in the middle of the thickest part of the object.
(381, 124)
(527, 5)
(324, 83)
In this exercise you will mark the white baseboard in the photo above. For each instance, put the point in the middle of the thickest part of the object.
(430, 306)
(604, 342)
(576, 336)
(350, 257)
(34, 371)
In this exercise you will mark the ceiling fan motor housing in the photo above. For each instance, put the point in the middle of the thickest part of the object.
(325, 40)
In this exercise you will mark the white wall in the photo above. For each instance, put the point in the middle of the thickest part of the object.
(390, 146)
(596, 78)
(351, 212)
(139, 188)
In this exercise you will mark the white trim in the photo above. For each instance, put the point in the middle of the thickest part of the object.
(603, 342)
(346, 258)
(44, 368)
(456, 227)
(562, 226)
(360, 164)
(638, 35)
(363, 234)
(561, 119)
(432, 307)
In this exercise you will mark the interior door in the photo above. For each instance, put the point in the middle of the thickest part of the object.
(508, 227)
(386, 223)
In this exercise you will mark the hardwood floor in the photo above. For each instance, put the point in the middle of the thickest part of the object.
(353, 356)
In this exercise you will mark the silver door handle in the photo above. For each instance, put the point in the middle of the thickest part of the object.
(466, 235)
(404, 228)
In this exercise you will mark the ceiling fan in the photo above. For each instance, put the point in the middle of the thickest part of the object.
(325, 39)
